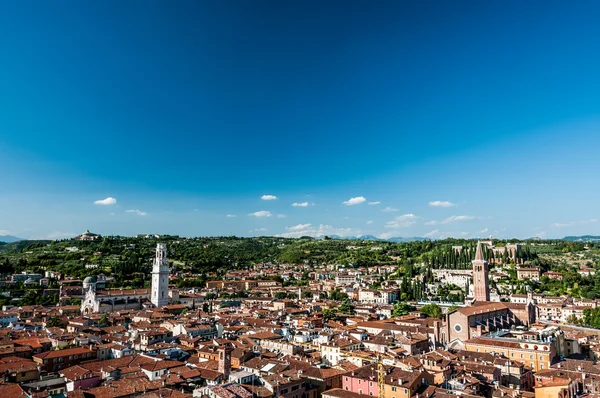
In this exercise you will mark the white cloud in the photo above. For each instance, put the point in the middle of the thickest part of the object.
(303, 204)
(370, 222)
(5, 232)
(374, 203)
(389, 209)
(483, 231)
(432, 222)
(281, 216)
(259, 230)
(322, 230)
(403, 221)
(432, 233)
(230, 216)
(355, 201)
(452, 219)
(298, 227)
(268, 197)
(261, 213)
(106, 202)
(138, 212)
(439, 203)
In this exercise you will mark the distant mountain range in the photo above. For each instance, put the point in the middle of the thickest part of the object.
(374, 238)
(583, 238)
(9, 239)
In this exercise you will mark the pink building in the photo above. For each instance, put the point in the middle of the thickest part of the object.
(362, 381)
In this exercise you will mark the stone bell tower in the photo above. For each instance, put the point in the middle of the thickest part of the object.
(160, 277)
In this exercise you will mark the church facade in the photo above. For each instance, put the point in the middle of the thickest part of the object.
(101, 301)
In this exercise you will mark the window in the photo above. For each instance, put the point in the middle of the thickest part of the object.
(542, 366)
(531, 357)
(370, 384)
(394, 388)
(346, 378)
(458, 328)
(522, 356)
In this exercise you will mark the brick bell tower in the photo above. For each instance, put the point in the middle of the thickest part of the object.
(481, 282)
(225, 361)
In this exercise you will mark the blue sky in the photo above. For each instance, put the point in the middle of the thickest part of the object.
(461, 118)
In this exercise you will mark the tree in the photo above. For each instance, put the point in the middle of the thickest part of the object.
(574, 320)
(402, 308)
(104, 319)
(329, 314)
(432, 310)
(53, 322)
(280, 295)
(346, 307)
(338, 295)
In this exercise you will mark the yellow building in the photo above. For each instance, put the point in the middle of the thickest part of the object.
(537, 355)
(555, 387)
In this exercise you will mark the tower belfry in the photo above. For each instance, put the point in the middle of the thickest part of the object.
(480, 276)
(160, 277)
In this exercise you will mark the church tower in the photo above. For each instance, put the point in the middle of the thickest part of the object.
(160, 277)
(481, 282)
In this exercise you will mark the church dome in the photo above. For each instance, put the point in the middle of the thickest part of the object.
(90, 279)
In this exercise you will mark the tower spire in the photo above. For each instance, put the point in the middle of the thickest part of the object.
(479, 252)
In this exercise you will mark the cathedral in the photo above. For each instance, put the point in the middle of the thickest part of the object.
(101, 301)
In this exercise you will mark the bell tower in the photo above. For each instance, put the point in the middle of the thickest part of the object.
(160, 277)
(481, 282)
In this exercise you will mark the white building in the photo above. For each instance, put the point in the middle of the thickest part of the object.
(459, 277)
(371, 296)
